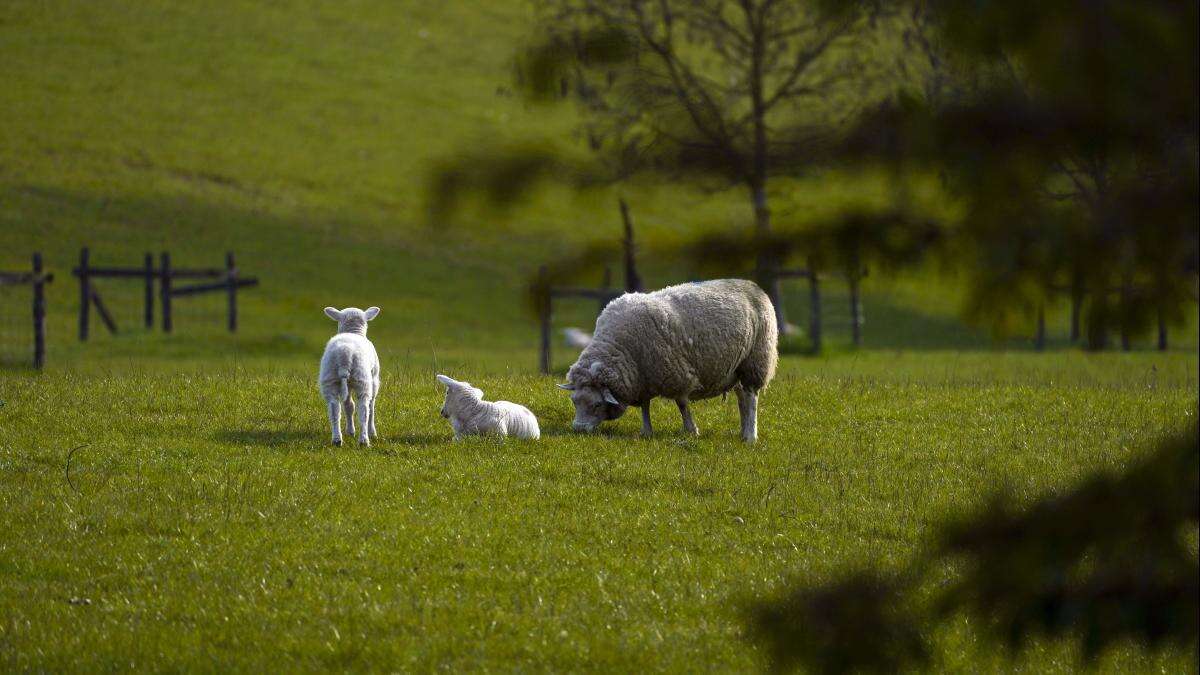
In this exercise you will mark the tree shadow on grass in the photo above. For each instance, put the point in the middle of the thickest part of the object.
(273, 438)
(290, 438)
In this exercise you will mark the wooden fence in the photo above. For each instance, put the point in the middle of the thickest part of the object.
(815, 326)
(223, 279)
(603, 295)
(37, 279)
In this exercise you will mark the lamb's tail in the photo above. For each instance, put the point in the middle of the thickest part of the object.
(343, 377)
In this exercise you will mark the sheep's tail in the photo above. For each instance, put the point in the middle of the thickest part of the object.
(344, 386)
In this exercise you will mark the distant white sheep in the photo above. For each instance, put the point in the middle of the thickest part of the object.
(350, 366)
(470, 415)
(576, 338)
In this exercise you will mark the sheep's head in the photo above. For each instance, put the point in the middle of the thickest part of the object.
(456, 394)
(594, 402)
(352, 319)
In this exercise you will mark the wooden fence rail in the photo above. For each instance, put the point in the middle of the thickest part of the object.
(602, 295)
(36, 278)
(815, 324)
(226, 279)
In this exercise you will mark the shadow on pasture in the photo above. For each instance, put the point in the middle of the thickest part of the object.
(274, 438)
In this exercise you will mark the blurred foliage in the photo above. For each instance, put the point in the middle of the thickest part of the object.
(808, 627)
(1111, 560)
(1067, 131)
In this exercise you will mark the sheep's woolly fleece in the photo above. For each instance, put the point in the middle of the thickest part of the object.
(350, 365)
(692, 341)
(470, 415)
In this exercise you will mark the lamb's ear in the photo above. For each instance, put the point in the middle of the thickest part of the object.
(332, 313)
(609, 398)
(371, 313)
(568, 387)
(449, 382)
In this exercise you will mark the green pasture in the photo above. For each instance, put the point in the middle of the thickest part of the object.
(170, 502)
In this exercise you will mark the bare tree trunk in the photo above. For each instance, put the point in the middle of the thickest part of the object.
(767, 264)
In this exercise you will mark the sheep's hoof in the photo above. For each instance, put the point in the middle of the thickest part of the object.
(337, 442)
(364, 441)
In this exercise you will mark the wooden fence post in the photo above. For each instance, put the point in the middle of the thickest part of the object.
(39, 313)
(606, 284)
(149, 297)
(855, 310)
(165, 289)
(1039, 341)
(85, 294)
(1075, 303)
(633, 282)
(102, 312)
(814, 296)
(1125, 300)
(1162, 331)
(231, 277)
(546, 307)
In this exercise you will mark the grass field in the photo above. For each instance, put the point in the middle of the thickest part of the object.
(206, 524)
(170, 502)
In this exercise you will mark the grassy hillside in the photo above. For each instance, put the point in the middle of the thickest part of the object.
(203, 524)
(300, 136)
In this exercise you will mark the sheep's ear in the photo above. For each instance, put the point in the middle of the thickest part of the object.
(371, 313)
(332, 313)
(449, 382)
(609, 398)
(568, 387)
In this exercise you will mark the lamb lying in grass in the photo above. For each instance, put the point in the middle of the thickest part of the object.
(470, 415)
(350, 365)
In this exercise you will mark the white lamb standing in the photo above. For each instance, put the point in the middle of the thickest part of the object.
(350, 366)
(470, 415)
(685, 342)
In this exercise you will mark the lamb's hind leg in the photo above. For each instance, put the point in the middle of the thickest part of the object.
(748, 407)
(689, 424)
(365, 405)
(335, 420)
(374, 398)
(348, 409)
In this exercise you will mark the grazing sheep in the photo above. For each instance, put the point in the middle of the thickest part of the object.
(470, 415)
(350, 365)
(576, 338)
(685, 343)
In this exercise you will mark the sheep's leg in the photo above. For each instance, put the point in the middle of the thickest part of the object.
(335, 420)
(689, 424)
(348, 408)
(374, 398)
(647, 430)
(364, 413)
(748, 407)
